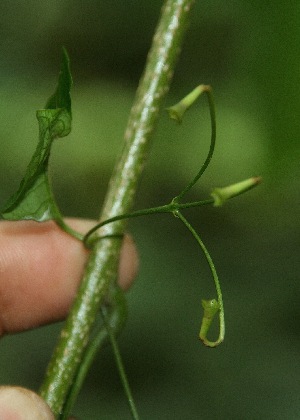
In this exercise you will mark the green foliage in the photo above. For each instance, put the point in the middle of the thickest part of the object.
(61, 97)
(249, 52)
(34, 199)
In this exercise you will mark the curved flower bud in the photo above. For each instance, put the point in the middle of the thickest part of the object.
(177, 111)
(211, 308)
(221, 195)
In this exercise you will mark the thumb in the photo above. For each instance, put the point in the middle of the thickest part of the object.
(18, 403)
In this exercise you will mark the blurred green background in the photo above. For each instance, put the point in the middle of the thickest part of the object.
(249, 52)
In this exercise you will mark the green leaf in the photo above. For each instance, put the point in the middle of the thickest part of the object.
(34, 199)
(61, 97)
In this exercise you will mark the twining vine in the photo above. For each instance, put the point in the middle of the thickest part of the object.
(34, 200)
(85, 332)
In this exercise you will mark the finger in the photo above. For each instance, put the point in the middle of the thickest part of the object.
(21, 403)
(40, 269)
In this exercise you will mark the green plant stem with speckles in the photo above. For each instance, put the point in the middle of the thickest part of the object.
(101, 269)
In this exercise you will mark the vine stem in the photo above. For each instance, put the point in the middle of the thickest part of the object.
(116, 319)
(120, 365)
(167, 208)
(101, 269)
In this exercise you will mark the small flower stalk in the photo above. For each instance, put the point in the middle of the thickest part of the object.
(221, 195)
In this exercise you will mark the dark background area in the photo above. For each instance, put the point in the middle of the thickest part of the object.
(249, 52)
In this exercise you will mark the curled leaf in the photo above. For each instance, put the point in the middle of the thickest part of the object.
(61, 97)
(34, 199)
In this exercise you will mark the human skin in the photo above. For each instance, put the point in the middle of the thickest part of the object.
(40, 270)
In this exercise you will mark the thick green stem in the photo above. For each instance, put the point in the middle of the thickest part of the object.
(101, 269)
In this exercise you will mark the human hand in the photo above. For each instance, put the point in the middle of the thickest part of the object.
(41, 267)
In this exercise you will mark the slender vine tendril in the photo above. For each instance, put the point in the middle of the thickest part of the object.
(179, 110)
(120, 364)
(167, 208)
(210, 307)
(176, 112)
(219, 197)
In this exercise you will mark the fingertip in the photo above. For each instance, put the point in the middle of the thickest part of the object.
(129, 263)
(41, 267)
(18, 403)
